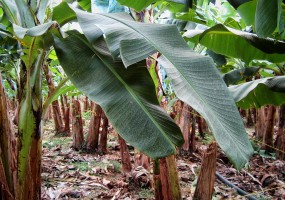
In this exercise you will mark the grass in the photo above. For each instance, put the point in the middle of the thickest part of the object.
(83, 166)
(117, 166)
(146, 194)
(88, 165)
(55, 141)
(87, 115)
(208, 138)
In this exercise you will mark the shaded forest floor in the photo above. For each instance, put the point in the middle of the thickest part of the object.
(69, 174)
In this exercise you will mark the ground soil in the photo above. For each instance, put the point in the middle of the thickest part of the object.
(69, 174)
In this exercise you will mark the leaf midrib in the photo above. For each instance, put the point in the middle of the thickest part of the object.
(130, 90)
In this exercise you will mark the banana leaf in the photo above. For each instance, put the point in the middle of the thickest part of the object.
(127, 96)
(260, 92)
(239, 44)
(195, 78)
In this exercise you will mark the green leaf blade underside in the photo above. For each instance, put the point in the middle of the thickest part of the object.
(126, 95)
(189, 73)
(260, 92)
(242, 45)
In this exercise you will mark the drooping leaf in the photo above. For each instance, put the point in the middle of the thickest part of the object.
(239, 44)
(127, 96)
(267, 17)
(21, 32)
(236, 75)
(260, 92)
(188, 71)
(34, 39)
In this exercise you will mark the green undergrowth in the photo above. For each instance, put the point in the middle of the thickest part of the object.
(89, 165)
(146, 194)
(208, 138)
(57, 141)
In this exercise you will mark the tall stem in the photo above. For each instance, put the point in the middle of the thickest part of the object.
(157, 182)
(269, 131)
(280, 140)
(169, 179)
(29, 132)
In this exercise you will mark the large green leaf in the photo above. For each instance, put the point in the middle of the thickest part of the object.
(239, 44)
(195, 78)
(267, 17)
(127, 96)
(247, 12)
(137, 4)
(260, 92)
(63, 14)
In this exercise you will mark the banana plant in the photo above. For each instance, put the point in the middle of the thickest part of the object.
(132, 42)
(238, 44)
(31, 29)
(266, 17)
(254, 51)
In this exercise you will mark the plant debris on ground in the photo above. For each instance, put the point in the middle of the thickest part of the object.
(69, 174)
